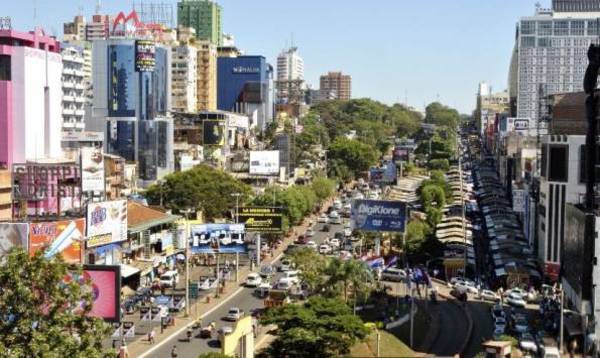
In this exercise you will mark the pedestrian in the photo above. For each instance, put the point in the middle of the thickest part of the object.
(174, 352)
(123, 352)
(151, 336)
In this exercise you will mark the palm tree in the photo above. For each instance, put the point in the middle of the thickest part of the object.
(350, 273)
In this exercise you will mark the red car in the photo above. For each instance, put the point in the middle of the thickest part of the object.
(302, 240)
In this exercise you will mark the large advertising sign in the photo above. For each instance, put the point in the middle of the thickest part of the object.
(223, 238)
(401, 154)
(264, 162)
(378, 215)
(106, 222)
(262, 219)
(145, 60)
(573, 255)
(13, 235)
(105, 281)
(92, 169)
(213, 133)
(385, 175)
(58, 237)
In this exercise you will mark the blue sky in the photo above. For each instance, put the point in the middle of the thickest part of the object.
(421, 50)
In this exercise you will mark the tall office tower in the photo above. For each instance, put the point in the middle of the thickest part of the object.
(204, 16)
(290, 77)
(337, 83)
(30, 97)
(488, 105)
(207, 76)
(132, 101)
(80, 30)
(550, 52)
(74, 87)
(74, 31)
(184, 77)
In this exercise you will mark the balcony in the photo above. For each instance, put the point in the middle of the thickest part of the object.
(67, 84)
(67, 98)
(79, 112)
(68, 112)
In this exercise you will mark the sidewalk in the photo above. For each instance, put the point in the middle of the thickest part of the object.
(140, 345)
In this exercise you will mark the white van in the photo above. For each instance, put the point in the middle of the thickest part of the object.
(292, 276)
(169, 279)
(393, 274)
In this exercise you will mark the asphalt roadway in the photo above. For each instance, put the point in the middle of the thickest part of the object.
(245, 299)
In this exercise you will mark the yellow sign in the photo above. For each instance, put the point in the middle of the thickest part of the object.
(99, 240)
(242, 330)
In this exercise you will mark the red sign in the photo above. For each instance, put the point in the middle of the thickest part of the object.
(552, 271)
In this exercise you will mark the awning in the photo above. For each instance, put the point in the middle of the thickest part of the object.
(127, 270)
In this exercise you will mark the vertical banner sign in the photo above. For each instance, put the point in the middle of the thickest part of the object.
(92, 169)
(106, 222)
(518, 200)
(378, 215)
(145, 59)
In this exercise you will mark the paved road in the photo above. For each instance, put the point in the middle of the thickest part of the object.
(245, 300)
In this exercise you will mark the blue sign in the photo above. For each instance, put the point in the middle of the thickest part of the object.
(379, 215)
(384, 175)
(223, 238)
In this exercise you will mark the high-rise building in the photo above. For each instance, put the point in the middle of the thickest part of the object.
(184, 77)
(132, 101)
(290, 77)
(74, 87)
(30, 96)
(488, 105)
(80, 30)
(550, 55)
(204, 16)
(207, 76)
(338, 83)
(74, 31)
(245, 85)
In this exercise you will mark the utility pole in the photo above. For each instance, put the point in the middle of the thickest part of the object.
(237, 220)
(187, 263)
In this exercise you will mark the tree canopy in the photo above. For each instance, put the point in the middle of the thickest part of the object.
(321, 327)
(43, 313)
(351, 155)
(200, 188)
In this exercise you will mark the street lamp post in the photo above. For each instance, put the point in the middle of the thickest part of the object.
(187, 262)
(237, 220)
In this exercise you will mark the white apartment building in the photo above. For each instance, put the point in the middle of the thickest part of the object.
(184, 76)
(550, 53)
(74, 86)
(290, 66)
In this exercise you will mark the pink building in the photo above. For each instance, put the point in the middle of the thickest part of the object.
(30, 97)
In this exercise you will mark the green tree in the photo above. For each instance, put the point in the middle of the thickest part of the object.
(323, 187)
(356, 156)
(439, 164)
(311, 265)
(416, 234)
(201, 188)
(433, 195)
(434, 216)
(321, 327)
(441, 115)
(347, 276)
(44, 315)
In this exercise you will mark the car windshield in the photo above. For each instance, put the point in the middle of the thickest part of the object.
(233, 310)
(166, 277)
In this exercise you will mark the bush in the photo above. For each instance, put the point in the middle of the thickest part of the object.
(439, 164)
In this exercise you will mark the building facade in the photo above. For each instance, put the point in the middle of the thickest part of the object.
(74, 85)
(30, 96)
(202, 15)
(245, 85)
(338, 83)
(290, 77)
(184, 78)
(488, 105)
(81, 30)
(207, 76)
(131, 105)
(550, 52)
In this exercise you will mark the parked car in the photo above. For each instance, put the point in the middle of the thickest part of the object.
(293, 276)
(310, 232)
(267, 271)
(489, 295)
(334, 243)
(325, 249)
(347, 232)
(516, 300)
(311, 244)
(323, 219)
(234, 314)
(169, 279)
(393, 274)
(302, 239)
(454, 279)
(253, 280)
(284, 284)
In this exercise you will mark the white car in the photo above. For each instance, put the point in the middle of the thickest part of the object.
(203, 239)
(527, 343)
(334, 214)
(311, 244)
(325, 249)
(471, 287)
(323, 219)
(169, 279)
(284, 284)
(337, 204)
(310, 233)
(454, 279)
(234, 314)
(521, 326)
(518, 291)
(335, 220)
(347, 232)
(253, 280)
(334, 242)
(393, 274)
(516, 300)
(461, 287)
(286, 265)
(489, 295)
(293, 276)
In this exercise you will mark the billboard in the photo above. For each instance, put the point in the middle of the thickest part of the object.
(385, 175)
(223, 238)
(92, 169)
(105, 281)
(401, 154)
(58, 237)
(13, 235)
(213, 132)
(573, 255)
(518, 200)
(378, 215)
(106, 222)
(145, 60)
(264, 162)
(264, 220)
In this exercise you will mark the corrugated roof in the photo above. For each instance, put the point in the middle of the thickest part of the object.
(140, 217)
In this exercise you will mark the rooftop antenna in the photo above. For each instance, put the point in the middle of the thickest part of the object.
(292, 37)
(98, 6)
(35, 12)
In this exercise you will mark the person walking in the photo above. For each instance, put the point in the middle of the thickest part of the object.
(174, 352)
(123, 352)
(151, 336)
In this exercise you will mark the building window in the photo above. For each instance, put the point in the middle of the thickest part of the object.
(577, 27)
(528, 41)
(545, 28)
(561, 28)
(582, 164)
(592, 28)
(528, 27)
(5, 71)
(558, 163)
(544, 160)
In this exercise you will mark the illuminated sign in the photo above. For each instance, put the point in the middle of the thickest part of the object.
(145, 59)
